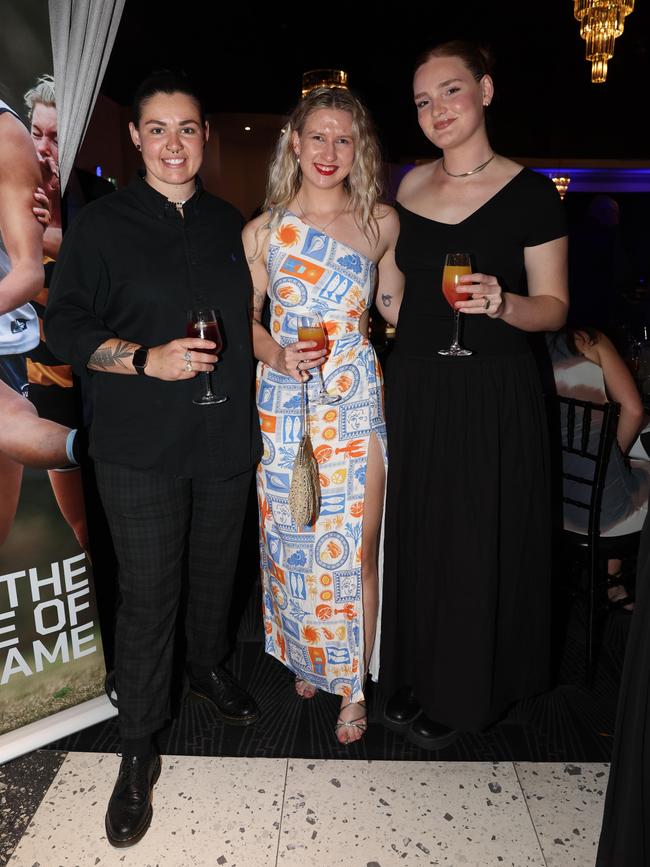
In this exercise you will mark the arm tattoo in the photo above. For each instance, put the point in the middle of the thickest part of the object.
(112, 356)
(386, 300)
(258, 301)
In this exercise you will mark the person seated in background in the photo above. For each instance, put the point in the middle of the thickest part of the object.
(586, 366)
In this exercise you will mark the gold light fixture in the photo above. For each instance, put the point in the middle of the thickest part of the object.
(561, 185)
(323, 78)
(601, 21)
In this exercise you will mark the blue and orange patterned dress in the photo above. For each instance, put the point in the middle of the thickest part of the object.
(312, 593)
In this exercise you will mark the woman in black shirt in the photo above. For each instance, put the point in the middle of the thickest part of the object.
(174, 476)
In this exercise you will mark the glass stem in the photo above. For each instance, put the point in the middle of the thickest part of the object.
(456, 326)
(322, 380)
(208, 384)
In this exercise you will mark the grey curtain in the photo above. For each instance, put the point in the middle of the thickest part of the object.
(83, 32)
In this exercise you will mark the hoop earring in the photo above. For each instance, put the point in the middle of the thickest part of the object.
(138, 147)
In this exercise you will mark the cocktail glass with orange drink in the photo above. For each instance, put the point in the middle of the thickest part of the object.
(311, 327)
(456, 266)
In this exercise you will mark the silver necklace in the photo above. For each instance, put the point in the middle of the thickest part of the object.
(467, 174)
(318, 225)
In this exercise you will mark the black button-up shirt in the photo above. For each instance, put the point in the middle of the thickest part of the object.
(131, 267)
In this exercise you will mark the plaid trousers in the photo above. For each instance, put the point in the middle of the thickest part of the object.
(160, 524)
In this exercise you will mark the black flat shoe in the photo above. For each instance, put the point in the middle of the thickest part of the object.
(231, 701)
(430, 735)
(401, 710)
(129, 810)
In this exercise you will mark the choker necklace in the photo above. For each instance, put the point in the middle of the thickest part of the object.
(318, 225)
(467, 174)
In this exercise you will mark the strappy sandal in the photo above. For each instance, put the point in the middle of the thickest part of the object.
(360, 723)
(620, 603)
(304, 688)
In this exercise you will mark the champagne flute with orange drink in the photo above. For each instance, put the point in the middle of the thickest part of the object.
(456, 266)
(311, 327)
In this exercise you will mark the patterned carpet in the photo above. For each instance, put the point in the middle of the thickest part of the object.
(569, 723)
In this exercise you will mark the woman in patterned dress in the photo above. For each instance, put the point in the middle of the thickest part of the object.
(319, 247)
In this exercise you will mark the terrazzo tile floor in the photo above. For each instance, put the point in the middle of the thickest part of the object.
(239, 812)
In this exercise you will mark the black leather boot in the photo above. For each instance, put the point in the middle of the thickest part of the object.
(401, 710)
(430, 735)
(129, 810)
(231, 701)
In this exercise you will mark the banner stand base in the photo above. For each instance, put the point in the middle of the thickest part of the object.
(57, 725)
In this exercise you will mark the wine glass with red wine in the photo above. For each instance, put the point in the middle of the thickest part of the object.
(204, 323)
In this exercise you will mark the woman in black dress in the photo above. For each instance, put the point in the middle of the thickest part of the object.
(467, 557)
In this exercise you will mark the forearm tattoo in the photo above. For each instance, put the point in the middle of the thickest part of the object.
(118, 355)
(258, 301)
(386, 300)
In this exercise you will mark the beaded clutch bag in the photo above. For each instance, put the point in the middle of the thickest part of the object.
(304, 491)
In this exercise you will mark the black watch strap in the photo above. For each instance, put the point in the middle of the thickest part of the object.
(140, 358)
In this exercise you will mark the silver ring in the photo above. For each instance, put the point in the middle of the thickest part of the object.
(187, 356)
(487, 303)
(188, 366)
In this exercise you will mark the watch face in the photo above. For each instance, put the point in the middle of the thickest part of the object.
(140, 358)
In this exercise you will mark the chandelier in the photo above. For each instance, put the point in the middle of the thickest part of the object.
(601, 21)
(561, 185)
(323, 78)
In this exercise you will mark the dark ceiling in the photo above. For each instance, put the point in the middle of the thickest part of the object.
(545, 105)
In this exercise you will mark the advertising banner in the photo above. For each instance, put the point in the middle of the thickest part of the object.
(51, 662)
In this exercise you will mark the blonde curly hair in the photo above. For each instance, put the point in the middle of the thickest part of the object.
(364, 181)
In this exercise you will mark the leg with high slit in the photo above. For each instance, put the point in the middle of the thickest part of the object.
(352, 720)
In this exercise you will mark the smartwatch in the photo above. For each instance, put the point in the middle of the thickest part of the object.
(140, 358)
